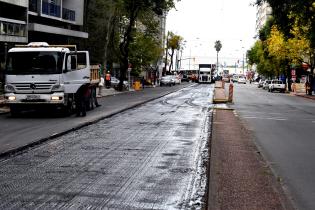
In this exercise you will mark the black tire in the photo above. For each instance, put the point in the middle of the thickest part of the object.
(68, 109)
(15, 111)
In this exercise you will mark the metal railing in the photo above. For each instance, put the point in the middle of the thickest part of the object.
(51, 9)
(68, 14)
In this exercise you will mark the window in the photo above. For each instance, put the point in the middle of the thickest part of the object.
(10, 29)
(34, 63)
(81, 60)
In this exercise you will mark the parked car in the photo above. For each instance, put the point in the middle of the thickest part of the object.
(185, 78)
(241, 80)
(114, 83)
(235, 78)
(167, 80)
(276, 85)
(177, 79)
(266, 84)
(260, 83)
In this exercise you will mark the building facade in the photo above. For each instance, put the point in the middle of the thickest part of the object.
(13, 26)
(264, 11)
(52, 21)
(56, 21)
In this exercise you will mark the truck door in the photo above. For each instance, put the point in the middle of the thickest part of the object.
(76, 71)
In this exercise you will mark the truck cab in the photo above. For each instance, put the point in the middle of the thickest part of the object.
(39, 74)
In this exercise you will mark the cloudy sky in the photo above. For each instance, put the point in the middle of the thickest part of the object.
(202, 22)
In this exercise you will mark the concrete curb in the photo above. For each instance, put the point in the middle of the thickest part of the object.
(21, 149)
(305, 96)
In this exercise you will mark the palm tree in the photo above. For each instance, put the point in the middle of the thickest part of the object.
(218, 47)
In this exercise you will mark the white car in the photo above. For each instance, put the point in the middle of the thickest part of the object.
(241, 80)
(167, 80)
(266, 84)
(276, 85)
(177, 79)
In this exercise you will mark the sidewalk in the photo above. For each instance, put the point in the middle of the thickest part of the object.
(239, 176)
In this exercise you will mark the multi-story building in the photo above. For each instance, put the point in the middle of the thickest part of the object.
(56, 21)
(263, 13)
(13, 25)
(52, 21)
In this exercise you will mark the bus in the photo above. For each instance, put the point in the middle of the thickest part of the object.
(205, 73)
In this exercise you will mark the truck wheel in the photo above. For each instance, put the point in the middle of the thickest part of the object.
(15, 111)
(68, 109)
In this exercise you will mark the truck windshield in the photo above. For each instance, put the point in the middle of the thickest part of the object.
(34, 63)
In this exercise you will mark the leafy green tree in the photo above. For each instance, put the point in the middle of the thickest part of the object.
(100, 17)
(287, 13)
(144, 51)
(174, 43)
(132, 10)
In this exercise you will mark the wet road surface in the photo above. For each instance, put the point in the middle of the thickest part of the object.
(150, 157)
(284, 129)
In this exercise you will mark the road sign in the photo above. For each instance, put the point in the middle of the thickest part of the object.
(293, 72)
(129, 69)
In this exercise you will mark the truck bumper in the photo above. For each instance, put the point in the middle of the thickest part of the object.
(57, 98)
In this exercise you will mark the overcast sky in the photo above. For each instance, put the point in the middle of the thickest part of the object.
(202, 22)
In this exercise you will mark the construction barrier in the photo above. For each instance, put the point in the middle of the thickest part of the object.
(231, 93)
(136, 85)
(298, 87)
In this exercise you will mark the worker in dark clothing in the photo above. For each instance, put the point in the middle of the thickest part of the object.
(142, 82)
(82, 98)
(94, 98)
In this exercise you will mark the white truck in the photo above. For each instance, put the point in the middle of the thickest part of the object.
(42, 75)
(205, 73)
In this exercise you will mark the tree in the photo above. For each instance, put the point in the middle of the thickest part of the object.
(144, 51)
(131, 10)
(174, 43)
(217, 46)
(100, 26)
(287, 12)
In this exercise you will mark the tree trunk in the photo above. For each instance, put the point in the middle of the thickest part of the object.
(124, 46)
(109, 28)
(171, 64)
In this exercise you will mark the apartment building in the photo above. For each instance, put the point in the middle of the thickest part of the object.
(52, 21)
(264, 11)
(13, 25)
(56, 21)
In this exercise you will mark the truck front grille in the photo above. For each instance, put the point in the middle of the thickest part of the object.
(37, 87)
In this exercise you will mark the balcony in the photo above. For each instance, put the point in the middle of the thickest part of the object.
(68, 14)
(12, 29)
(51, 9)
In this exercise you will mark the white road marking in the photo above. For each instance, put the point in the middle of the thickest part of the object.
(265, 118)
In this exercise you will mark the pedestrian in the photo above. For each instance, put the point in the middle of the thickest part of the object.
(82, 99)
(142, 82)
(107, 80)
(94, 98)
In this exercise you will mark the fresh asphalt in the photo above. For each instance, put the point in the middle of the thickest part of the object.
(154, 156)
(32, 128)
(284, 129)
